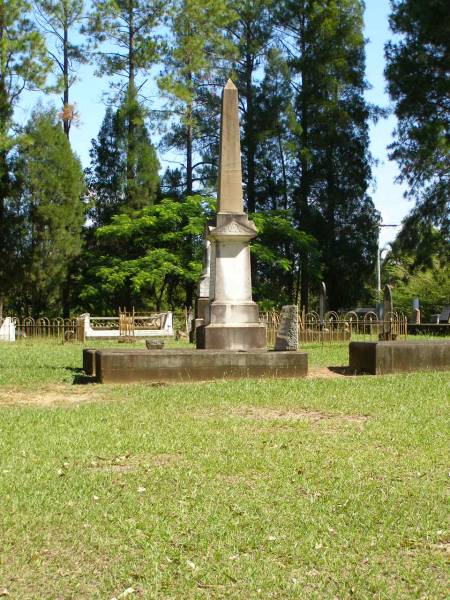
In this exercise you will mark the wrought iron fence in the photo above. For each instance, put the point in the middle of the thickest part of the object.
(335, 328)
(59, 328)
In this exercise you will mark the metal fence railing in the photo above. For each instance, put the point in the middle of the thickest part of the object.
(334, 328)
(44, 327)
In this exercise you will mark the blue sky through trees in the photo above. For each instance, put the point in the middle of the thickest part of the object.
(89, 95)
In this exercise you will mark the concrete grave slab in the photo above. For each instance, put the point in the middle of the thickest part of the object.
(379, 358)
(186, 365)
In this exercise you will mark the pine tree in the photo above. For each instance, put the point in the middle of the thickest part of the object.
(106, 176)
(251, 35)
(109, 187)
(418, 74)
(324, 49)
(57, 19)
(124, 31)
(195, 43)
(23, 64)
(51, 184)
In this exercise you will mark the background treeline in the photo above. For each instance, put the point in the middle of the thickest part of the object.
(124, 233)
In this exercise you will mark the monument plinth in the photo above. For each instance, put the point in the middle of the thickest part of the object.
(232, 318)
(231, 343)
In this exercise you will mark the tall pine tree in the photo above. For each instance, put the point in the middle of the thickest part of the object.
(57, 19)
(109, 188)
(195, 43)
(324, 48)
(418, 74)
(23, 64)
(127, 48)
(50, 179)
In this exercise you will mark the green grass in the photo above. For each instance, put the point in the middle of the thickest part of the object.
(247, 489)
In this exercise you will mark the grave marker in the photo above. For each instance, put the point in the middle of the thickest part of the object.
(287, 334)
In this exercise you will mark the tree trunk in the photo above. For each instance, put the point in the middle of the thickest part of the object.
(66, 108)
(303, 199)
(130, 99)
(249, 126)
(189, 161)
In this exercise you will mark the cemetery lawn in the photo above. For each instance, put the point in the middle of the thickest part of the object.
(310, 488)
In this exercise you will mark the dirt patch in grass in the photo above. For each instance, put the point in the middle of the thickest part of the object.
(50, 395)
(273, 414)
(443, 547)
(330, 372)
(127, 463)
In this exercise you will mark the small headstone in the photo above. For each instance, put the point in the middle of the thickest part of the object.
(154, 344)
(287, 334)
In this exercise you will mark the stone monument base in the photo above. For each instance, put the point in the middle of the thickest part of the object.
(134, 366)
(242, 337)
(379, 358)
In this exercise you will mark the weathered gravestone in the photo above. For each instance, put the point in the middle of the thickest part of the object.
(287, 334)
(154, 344)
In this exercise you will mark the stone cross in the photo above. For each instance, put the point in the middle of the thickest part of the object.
(287, 334)
(230, 197)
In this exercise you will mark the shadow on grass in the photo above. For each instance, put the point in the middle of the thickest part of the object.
(80, 377)
(348, 371)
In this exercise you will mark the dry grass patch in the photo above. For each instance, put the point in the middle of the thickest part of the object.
(128, 462)
(51, 395)
(273, 414)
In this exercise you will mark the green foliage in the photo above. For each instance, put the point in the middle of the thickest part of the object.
(148, 258)
(23, 59)
(418, 74)
(330, 140)
(50, 183)
(418, 267)
(106, 176)
(195, 42)
(430, 285)
(23, 65)
(123, 175)
(278, 249)
(142, 165)
(125, 31)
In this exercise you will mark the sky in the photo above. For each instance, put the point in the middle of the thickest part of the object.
(88, 94)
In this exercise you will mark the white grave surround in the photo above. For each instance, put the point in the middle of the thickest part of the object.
(8, 330)
(91, 333)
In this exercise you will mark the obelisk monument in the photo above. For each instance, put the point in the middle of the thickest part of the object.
(232, 318)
